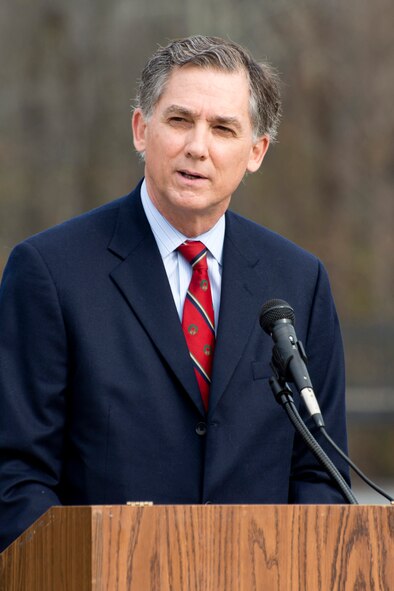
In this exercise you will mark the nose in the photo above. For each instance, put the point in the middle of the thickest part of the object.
(196, 145)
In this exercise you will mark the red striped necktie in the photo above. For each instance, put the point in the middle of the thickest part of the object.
(198, 320)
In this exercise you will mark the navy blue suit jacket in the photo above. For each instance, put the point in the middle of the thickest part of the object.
(98, 399)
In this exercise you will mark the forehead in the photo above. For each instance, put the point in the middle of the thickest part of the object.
(210, 90)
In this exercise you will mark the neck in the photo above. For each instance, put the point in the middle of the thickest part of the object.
(191, 226)
(183, 216)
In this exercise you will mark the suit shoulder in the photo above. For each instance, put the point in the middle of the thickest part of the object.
(258, 238)
(79, 227)
(79, 240)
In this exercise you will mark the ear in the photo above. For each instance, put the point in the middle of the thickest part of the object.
(138, 125)
(257, 153)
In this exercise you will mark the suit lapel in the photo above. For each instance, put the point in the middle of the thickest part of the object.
(142, 279)
(242, 296)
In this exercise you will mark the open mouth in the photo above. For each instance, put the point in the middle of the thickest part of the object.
(191, 175)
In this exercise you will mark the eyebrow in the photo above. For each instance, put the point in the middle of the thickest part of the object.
(218, 119)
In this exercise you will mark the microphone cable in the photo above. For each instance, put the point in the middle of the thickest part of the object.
(356, 468)
(283, 396)
(289, 360)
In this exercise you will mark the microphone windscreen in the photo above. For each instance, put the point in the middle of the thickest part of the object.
(275, 310)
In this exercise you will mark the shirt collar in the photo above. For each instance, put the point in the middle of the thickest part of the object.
(169, 238)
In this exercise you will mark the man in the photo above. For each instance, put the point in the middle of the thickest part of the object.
(102, 397)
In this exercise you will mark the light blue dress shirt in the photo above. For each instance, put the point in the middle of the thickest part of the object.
(178, 270)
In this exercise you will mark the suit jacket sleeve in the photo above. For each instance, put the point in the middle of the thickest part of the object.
(327, 370)
(32, 391)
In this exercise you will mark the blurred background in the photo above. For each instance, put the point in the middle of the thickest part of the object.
(68, 77)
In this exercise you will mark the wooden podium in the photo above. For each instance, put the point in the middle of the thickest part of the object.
(204, 548)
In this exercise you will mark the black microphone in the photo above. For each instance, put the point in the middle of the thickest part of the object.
(277, 319)
(289, 359)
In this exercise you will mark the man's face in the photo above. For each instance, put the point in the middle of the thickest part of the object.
(198, 144)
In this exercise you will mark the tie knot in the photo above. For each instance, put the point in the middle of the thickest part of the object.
(195, 253)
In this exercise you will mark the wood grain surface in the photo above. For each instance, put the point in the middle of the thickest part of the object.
(205, 548)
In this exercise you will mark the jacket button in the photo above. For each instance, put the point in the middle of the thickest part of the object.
(201, 428)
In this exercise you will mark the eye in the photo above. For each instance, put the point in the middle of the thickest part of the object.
(178, 120)
(223, 130)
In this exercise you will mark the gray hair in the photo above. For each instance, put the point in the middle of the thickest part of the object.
(214, 52)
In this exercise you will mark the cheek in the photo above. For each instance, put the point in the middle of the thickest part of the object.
(165, 141)
(159, 158)
(233, 165)
(232, 157)
(167, 150)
